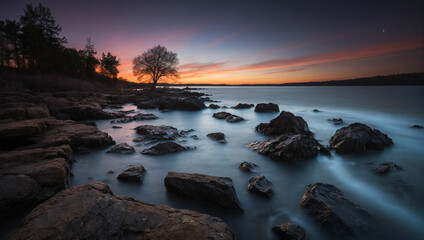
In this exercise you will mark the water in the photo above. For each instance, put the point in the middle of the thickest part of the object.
(394, 199)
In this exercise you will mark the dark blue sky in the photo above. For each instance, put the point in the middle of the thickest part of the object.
(251, 41)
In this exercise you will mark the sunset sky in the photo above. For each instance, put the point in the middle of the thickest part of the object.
(237, 42)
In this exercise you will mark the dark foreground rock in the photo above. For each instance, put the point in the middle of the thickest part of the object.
(286, 122)
(133, 174)
(248, 166)
(358, 137)
(288, 147)
(386, 167)
(243, 106)
(339, 215)
(218, 136)
(165, 148)
(290, 231)
(205, 188)
(121, 148)
(92, 211)
(150, 132)
(23, 111)
(267, 107)
(261, 185)
(227, 116)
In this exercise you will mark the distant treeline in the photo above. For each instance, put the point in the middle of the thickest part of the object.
(33, 45)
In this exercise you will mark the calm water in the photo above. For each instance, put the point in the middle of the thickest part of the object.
(394, 199)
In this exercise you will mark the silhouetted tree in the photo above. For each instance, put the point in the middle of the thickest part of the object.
(108, 65)
(89, 59)
(155, 64)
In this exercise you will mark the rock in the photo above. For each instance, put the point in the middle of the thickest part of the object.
(205, 188)
(286, 122)
(261, 185)
(116, 127)
(214, 106)
(122, 120)
(195, 137)
(89, 123)
(106, 216)
(339, 215)
(185, 133)
(137, 117)
(385, 167)
(121, 148)
(110, 172)
(417, 126)
(290, 231)
(227, 116)
(234, 118)
(23, 111)
(336, 121)
(165, 148)
(267, 107)
(133, 174)
(190, 104)
(248, 166)
(218, 136)
(287, 147)
(243, 106)
(150, 132)
(316, 110)
(358, 137)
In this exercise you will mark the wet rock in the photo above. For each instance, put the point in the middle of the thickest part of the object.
(248, 166)
(121, 148)
(150, 132)
(267, 107)
(106, 216)
(214, 106)
(417, 126)
(137, 117)
(23, 111)
(261, 185)
(227, 116)
(336, 121)
(358, 137)
(243, 106)
(190, 104)
(205, 188)
(290, 231)
(234, 118)
(386, 167)
(185, 133)
(116, 127)
(287, 147)
(133, 174)
(286, 122)
(110, 172)
(90, 123)
(218, 136)
(165, 148)
(339, 215)
(195, 137)
(316, 110)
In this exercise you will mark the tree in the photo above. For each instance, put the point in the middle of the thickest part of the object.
(90, 61)
(155, 64)
(108, 65)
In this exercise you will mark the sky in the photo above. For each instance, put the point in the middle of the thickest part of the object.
(249, 41)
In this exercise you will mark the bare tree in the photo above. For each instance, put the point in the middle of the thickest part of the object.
(155, 64)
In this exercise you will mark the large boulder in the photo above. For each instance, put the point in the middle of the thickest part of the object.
(133, 174)
(205, 188)
(267, 107)
(288, 147)
(327, 204)
(218, 136)
(260, 185)
(92, 211)
(190, 104)
(165, 148)
(150, 132)
(23, 111)
(286, 122)
(243, 106)
(121, 148)
(290, 231)
(358, 137)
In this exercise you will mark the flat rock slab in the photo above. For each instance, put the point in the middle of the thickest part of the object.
(165, 148)
(121, 148)
(290, 231)
(267, 107)
(92, 211)
(133, 174)
(286, 122)
(150, 132)
(213, 190)
(137, 117)
(218, 136)
(227, 116)
(327, 204)
(261, 185)
(358, 137)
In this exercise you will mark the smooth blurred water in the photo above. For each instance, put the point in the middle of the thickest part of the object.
(394, 199)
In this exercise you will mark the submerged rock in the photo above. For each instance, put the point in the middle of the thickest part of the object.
(218, 136)
(214, 106)
(261, 185)
(290, 231)
(150, 132)
(339, 215)
(165, 148)
(227, 116)
(205, 188)
(121, 148)
(133, 174)
(106, 216)
(358, 137)
(288, 147)
(248, 166)
(243, 106)
(316, 110)
(417, 126)
(137, 117)
(286, 122)
(385, 167)
(336, 121)
(267, 107)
